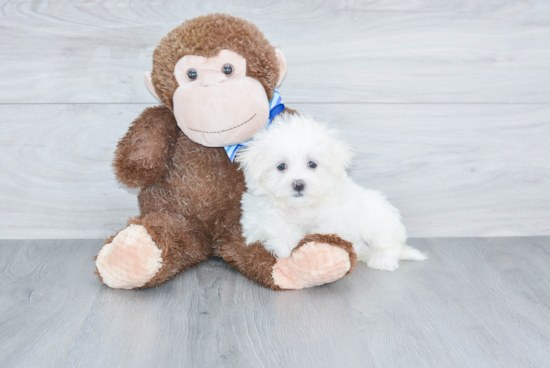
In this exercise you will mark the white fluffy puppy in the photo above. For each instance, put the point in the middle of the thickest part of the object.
(296, 175)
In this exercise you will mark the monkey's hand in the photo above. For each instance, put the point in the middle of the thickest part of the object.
(317, 260)
(142, 155)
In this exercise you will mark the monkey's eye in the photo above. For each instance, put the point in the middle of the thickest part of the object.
(192, 74)
(312, 164)
(281, 167)
(228, 69)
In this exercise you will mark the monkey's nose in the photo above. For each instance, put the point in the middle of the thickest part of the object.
(298, 185)
(213, 79)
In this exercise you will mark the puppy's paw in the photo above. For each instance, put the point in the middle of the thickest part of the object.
(383, 261)
(130, 260)
(279, 248)
(310, 265)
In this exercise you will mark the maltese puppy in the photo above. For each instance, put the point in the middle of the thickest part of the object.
(297, 184)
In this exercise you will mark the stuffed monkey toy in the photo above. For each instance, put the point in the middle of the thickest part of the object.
(216, 77)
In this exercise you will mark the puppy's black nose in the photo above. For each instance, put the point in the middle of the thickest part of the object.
(298, 185)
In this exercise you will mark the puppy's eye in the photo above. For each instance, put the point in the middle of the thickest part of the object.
(228, 69)
(312, 164)
(281, 167)
(192, 74)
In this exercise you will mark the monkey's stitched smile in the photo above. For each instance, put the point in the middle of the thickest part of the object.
(225, 130)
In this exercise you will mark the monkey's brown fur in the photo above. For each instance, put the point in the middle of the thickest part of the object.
(207, 36)
(190, 194)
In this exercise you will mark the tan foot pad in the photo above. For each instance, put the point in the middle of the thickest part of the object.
(311, 265)
(130, 260)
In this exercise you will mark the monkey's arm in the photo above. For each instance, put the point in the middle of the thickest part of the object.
(142, 155)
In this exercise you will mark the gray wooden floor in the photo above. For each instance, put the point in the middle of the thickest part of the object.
(475, 303)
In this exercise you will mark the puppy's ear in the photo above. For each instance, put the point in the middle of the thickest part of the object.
(341, 156)
(249, 159)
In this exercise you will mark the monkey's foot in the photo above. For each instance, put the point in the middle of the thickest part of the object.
(130, 260)
(311, 264)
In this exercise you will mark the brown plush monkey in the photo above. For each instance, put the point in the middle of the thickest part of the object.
(215, 76)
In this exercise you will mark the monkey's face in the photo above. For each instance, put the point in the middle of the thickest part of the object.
(216, 104)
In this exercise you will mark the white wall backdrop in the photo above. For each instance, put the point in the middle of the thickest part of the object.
(446, 103)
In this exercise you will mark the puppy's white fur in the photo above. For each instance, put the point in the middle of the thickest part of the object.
(330, 203)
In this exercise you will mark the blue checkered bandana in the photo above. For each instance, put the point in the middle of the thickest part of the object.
(276, 106)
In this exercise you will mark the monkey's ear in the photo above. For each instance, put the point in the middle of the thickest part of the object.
(149, 84)
(282, 67)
